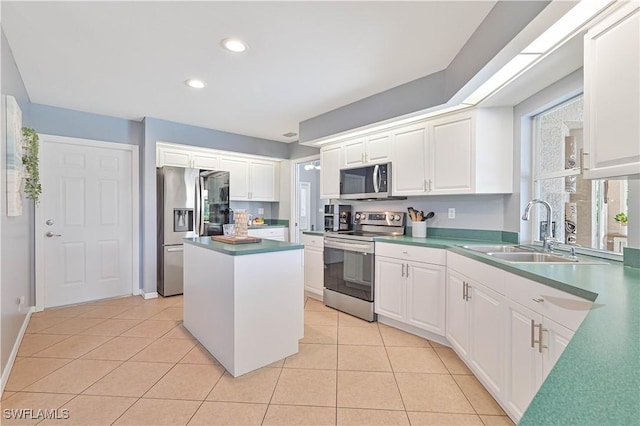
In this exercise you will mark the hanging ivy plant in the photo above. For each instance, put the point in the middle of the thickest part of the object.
(30, 147)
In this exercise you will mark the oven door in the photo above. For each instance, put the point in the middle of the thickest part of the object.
(349, 268)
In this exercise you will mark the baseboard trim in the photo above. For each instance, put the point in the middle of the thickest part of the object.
(414, 330)
(153, 295)
(14, 351)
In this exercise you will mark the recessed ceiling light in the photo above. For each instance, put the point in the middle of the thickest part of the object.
(195, 83)
(234, 45)
(290, 134)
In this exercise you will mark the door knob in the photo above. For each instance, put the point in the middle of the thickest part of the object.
(50, 234)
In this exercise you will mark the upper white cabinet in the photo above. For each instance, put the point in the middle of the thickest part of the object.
(369, 150)
(251, 178)
(408, 170)
(464, 153)
(612, 95)
(330, 161)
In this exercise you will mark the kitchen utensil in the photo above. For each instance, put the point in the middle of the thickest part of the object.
(412, 213)
(419, 216)
(429, 215)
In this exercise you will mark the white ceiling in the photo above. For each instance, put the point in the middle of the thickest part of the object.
(130, 59)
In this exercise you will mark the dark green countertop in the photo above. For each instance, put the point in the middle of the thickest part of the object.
(265, 246)
(597, 378)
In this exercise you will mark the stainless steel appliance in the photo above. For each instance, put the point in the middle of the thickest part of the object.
(190, 203)
(337, 217)
(349, 262)
(368, 182)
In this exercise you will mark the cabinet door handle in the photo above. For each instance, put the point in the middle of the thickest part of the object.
(533, 334)
(464, 290)
(540, 345)
(582, 162)
(403, 269)
(429, 185)
(407, 270)
(539, 300)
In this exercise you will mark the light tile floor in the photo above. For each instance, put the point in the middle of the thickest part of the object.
(129, 361)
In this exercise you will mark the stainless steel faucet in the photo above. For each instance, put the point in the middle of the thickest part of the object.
(547, 244)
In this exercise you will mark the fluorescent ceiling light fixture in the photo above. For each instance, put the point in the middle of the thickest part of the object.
(575, 18)
(234, 45)
(195, 83)
(499, 79)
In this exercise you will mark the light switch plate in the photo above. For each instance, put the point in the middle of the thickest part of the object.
(452, 213)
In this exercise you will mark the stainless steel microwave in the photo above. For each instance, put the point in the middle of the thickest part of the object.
(368, 182)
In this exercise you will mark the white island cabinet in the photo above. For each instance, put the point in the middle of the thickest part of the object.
(244, 303)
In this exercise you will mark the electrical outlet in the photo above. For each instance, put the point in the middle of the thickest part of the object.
(260, 210)
(452, 213)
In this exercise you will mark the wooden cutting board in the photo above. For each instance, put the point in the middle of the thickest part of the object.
(236, 240)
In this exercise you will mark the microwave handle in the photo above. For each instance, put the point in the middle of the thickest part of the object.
(376, 178)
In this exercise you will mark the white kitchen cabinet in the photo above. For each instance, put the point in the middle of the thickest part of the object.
(313, 265)
(263, 177)
(523, 361)
(278, 234)
(611, 100)
(408, 170)
(238, 169)
(457, 320)
(471, 152)
(367, 150)
(173, 157)
(330, 161)
(475, 327)
(251, 180)
(409, 291)
(468, 152)
(205, 161)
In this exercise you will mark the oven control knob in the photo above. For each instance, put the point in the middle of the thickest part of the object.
(363, 216)
(396, 217)
(357, 216)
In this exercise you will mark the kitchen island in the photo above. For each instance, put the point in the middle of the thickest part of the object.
(244, 302)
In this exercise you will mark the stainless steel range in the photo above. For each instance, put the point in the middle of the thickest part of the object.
(349, 262)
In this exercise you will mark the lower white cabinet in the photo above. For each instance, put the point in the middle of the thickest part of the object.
(409, 291)
(509, 330)
(534, 345)
(313, 265)
(475, 327)
(278, 234)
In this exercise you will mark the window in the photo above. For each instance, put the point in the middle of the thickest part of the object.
(587, 213)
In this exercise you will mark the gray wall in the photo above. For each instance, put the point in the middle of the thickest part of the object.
(434, 89)
(17, 234)
(84, 125)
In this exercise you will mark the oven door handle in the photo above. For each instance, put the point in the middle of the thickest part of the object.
(347, 246)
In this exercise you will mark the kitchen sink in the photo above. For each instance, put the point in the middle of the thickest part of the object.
(533, 257)
(499, 248)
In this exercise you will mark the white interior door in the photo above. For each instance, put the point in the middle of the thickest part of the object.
(304, 213)
(87, 232)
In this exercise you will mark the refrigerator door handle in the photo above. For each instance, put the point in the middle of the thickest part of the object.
(198, 211)
(201, 206)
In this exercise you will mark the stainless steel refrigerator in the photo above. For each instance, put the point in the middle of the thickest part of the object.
(190, 203)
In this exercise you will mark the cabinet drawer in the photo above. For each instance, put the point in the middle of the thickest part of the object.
(414, 253)
(564, 308)
(490, 276)
(269, 233)
(313, 241)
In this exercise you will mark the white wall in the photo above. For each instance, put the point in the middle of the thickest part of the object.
(472, 211)
(17, 259)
